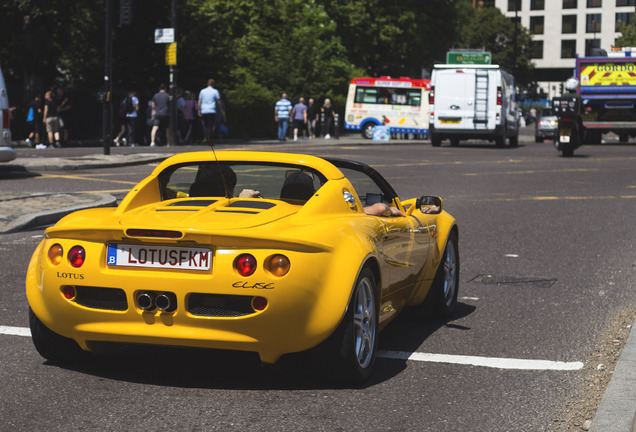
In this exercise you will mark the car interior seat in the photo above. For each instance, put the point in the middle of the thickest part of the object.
(297, 186)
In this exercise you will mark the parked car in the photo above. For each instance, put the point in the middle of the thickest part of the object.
(302, 266)
(546, 126)
(6, 151)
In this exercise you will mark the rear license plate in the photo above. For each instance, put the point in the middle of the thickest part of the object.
(450, 121)
(183, 258)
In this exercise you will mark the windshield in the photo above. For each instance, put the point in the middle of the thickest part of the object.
(213, 179)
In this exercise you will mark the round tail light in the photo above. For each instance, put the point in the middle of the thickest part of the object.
(278, 265)
(56, 253)
(76, 256)
(245, 264)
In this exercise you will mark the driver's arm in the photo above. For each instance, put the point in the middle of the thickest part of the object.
(382, 209)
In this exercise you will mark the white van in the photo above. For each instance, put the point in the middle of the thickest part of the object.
(6, 151)
(473, 102)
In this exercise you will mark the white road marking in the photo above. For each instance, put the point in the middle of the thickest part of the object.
(15, 331)
(492, 362)
(469, 298)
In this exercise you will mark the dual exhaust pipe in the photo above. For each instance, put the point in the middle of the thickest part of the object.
(149, 300)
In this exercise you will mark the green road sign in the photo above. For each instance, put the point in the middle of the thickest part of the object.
(477, 58)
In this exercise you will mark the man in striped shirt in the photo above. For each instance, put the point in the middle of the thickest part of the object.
(281, 116)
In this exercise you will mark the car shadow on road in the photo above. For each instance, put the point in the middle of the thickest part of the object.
(221, 369)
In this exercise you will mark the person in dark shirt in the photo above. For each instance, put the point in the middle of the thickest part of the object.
(160, 114)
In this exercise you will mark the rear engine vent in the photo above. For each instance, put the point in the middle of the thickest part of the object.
(263, 205)
(193, 203)
(217, 305)
(154, 233)
(101, 298)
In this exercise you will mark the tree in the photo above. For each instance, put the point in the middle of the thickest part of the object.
(488, 28)
(628, 34)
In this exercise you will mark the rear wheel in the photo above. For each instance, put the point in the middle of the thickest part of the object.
(349, 354)
(51, 345)
(367, 130)
(436, 141)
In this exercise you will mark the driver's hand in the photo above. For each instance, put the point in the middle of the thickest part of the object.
(250, 193)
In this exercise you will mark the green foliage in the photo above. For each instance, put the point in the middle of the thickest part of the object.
(488, 28)
(254, 49)
(628, 34)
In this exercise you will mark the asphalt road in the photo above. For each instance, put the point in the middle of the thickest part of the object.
(547, 264)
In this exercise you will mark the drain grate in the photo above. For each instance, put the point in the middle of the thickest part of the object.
(488, 279)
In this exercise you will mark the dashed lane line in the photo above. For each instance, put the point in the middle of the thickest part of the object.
(491, 362)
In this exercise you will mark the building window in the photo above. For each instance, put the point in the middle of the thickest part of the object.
(537, 50)
(590, 44)
(622, 18)
(514, 5)
(625, 3)
(568, 24)
(569, 4)
(568, 49)
(594, 3)
(536, 25)
(593, 23)
(537, 4)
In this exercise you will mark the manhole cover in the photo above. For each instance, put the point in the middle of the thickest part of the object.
(513, 280)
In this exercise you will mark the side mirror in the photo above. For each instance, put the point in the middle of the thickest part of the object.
(429, 204)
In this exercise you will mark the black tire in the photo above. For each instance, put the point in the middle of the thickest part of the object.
(568, 152)
(367, 130)
(348, 355)
(436, 141)
(442, 299)
(51, 345)
(514, 140)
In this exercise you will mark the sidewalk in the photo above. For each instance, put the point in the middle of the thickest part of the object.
(616, 412)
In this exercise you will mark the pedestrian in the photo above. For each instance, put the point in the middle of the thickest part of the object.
(207, 106)
(121, 123)
(131, 116)
(312, 117)
(160, 115)
(63, 113)
(51, 120)
(300, 118)
(180, 117)
(34, 122)
(327, 110)
(189, 115)
(281, 116)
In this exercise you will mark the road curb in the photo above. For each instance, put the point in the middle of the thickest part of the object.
(52, 214)
(617, 410)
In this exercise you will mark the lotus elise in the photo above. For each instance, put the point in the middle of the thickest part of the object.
(272, 253)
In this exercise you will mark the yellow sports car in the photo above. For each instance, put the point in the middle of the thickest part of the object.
(267, 252)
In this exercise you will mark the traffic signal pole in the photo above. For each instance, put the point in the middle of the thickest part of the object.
(108, 85)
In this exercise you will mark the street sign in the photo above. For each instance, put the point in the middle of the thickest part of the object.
(164, 36)
(476, 58)
(171, 54)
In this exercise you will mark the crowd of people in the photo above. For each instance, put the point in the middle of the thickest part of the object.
(304, 119)
(200, 118)
(48, 119)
